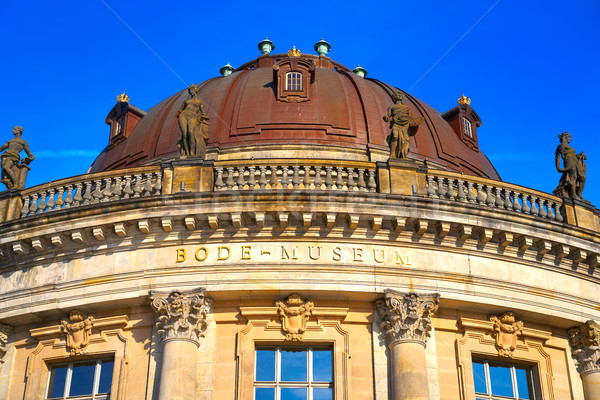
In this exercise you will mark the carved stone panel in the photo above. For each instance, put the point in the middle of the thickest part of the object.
(407, 317)
(294, 313)
(77, 331)
(181, 315)
(585, 342)
(5, 331)
(505, 331)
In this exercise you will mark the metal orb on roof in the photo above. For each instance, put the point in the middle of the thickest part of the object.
(226, 69)
(266, 46)
(322, 47)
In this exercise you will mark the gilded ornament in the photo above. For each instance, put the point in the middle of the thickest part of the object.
(402, 126)
(294, 52)
(77, 331)
(464, 100)
(505, 331)
(123, 98)
(294, 314)
(585, 342)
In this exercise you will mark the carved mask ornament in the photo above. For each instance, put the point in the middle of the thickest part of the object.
(77, 331)
(294, 314)
(505, 331)
(585, 341)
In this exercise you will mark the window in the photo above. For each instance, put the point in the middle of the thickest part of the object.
(293, 373)
(497, 380)
(81, 379)
(467, 127)
(293, 81)
(120, 126)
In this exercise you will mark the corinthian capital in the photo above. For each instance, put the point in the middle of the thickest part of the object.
(585, 342)
(407, 317)
(5, 331)
(181, 315)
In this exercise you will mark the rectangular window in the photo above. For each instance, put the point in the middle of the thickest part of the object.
(293, 373)
(83, 380)
(497, 380)
(293, 81)
(467, 127)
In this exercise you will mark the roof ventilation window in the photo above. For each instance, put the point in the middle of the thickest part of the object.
(293, 77)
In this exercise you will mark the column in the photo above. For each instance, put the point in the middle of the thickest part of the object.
(585, 344)
(406, 324)
(181, 323)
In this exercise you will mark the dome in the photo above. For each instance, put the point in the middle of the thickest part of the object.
(337, 115)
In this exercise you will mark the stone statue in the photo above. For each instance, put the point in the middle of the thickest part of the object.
(572, 181)
(402, 126)
(11, 169)
(193, 123)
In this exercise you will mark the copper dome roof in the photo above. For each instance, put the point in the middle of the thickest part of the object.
(341, 112)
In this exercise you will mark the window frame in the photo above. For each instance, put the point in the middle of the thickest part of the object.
(69, 376)
(296, 79)
(467, 128)
(511, 366)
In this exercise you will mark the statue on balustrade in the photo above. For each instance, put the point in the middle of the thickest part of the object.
(572, 181)
(193, 123)
(14, 170)
(402, 126)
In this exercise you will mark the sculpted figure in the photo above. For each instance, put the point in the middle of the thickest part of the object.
(193, 123)
(572, 181)
(10, 159)
(402, 126)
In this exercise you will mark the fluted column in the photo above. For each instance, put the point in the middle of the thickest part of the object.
(181, 323)
(406, 324)
(585, 344)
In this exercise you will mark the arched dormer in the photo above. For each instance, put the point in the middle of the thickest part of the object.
(293, 77)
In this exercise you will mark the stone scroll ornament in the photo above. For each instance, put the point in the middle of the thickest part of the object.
(505, 331)
(572, 181)
(5, 331)
(585, 342)
(77, 331)
(402, 126)
(407, 317)
(294, 313)
(14, 169)
(193, 123)
(181, 315)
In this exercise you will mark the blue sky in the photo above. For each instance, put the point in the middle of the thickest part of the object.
(530, 67)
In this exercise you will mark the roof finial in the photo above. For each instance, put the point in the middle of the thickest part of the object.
(294, 52)
(123, 98)
(266, 46)
(322, 47)
(464, 100)
(360, 71)
(226, 69)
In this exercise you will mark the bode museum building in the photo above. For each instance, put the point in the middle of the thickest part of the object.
(294, 230)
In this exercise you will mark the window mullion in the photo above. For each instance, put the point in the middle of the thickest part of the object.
(309, 375)
(488, 382)
(97, 372)
(277, 374)
(67, 391)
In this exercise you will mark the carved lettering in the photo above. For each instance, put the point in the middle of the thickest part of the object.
(337, 254)
(180, 255)
(203, 251)
(358, 255)
(246, 255)
(220, 256)
(379, 260)
(285, 255)
(403, 260)
(310, 248)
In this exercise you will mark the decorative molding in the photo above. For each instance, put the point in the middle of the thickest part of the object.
(505, 331)
(77, 332)
(5, 331)
(181, 315)
(585, 343)
(407, 317)
(294, 313)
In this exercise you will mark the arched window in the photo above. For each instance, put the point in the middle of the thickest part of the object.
(293, 81)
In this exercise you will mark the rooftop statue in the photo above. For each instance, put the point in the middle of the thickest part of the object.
(402, 125)
(193, 123)
(572, 181)
(12, 171)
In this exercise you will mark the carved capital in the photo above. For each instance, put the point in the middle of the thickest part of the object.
(505, 331)
(407, 317)
(585, 342)
(77, 330)
(5, 331)
(181, 315)
(294, 313)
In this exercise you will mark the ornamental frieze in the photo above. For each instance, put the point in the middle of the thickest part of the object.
(77, 331)
(407, 317)
(294, 313)
(505, 331)
(585, 342)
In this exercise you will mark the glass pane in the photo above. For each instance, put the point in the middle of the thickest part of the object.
(293, 366)
(106, 377)
(58, 377)
(479, 377)
(293, 394)
(82, 380)
(265, 365)
(322, 394)
(500, 380)
(523, 382)
(264, 394)
(322, 371)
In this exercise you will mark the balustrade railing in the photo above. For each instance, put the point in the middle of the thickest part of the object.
(359, 177)
(494, 194)
(92, 189)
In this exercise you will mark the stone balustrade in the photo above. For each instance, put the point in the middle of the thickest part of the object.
(91, 189)
(319, 175)
(494, 194)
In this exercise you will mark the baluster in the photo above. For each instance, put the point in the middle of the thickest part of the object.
(251, 177)
(106, 193)
(507, 203)
(285, 181)
(87, 193)
(25, 209)
(372, 183)
(550, 206)
(450, 192)
(34, 204)
(441, 192)
(362, 185)
(318, 181)
(78, 196)
(50, 202)
(306, 177)
(97, 193)
(516, 206)
(296, 177)
(480, 194)
(462, 197)
(470, 193)
(498, 203)
(557, 212)
(489, 199)
(158, 184)
(339, 181)
(127, 191)
(59, 198)
(118, 189)
(525, 207)
(137, 187)
(534, 211)
(328, 178)
(543, 212)
(148, 185)
(229, 182)
(42, 205)
(262, 180)
(241, 180)
(219, 178)
(273, 177)
(430, 189)
(69, 198)
(350, 182)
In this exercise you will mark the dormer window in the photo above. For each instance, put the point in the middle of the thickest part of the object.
(293, 77)
(293, 81)
(467, 127)
(120, 126)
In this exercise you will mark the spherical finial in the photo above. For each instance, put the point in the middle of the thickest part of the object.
(464, 100)
(322, 47)
(266, 46)
(123, 98)
(226, 69)
(360, 71)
